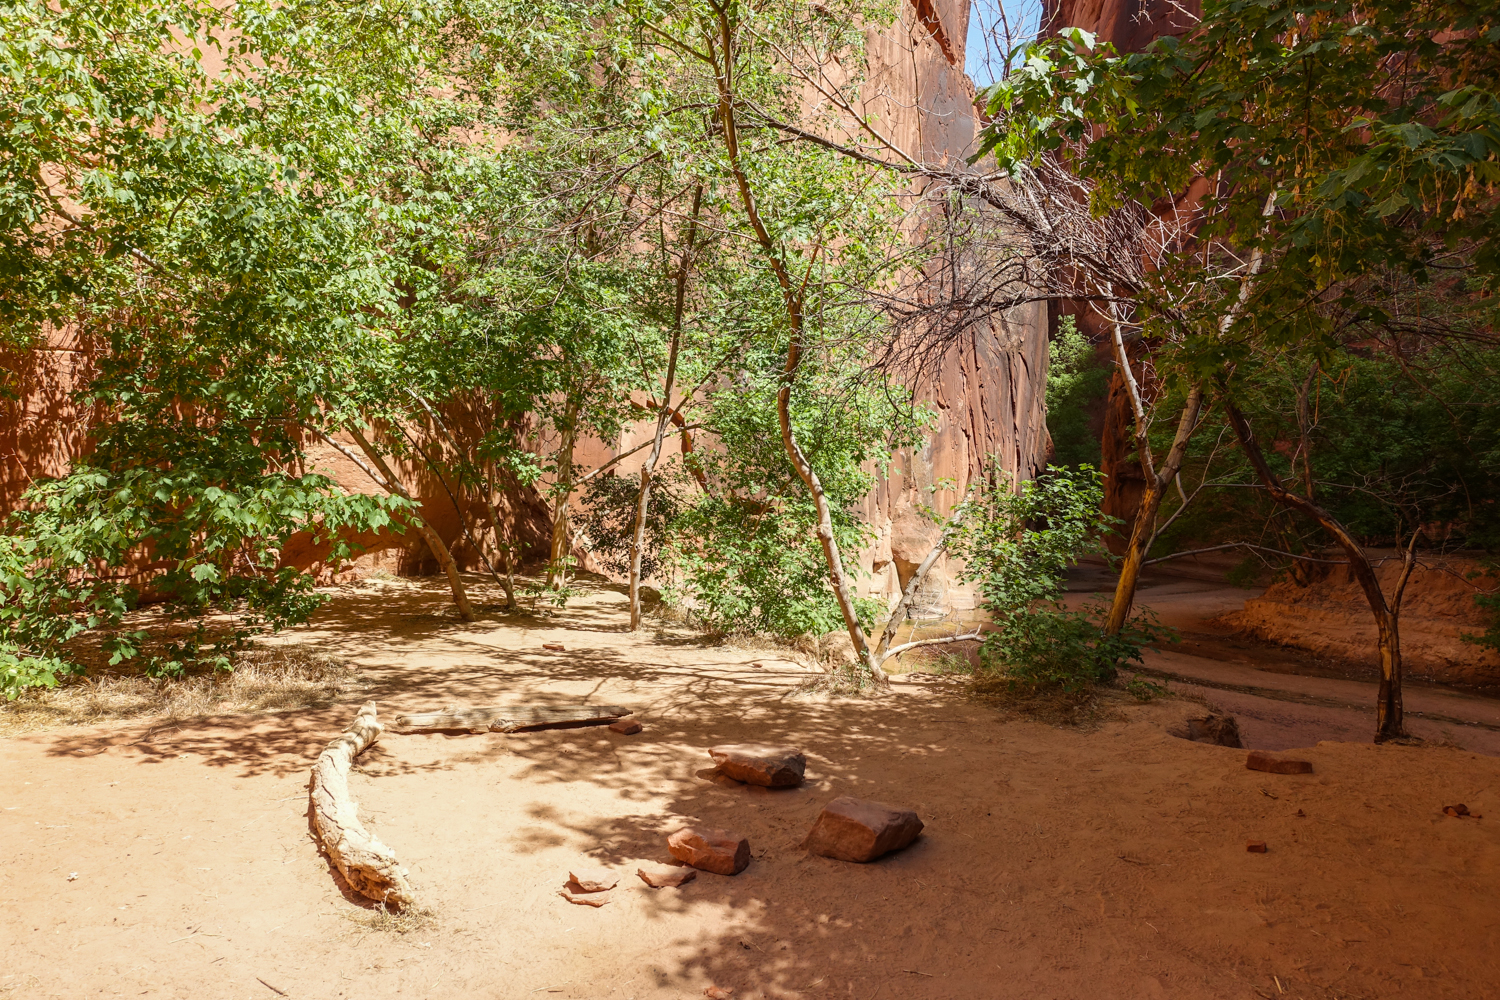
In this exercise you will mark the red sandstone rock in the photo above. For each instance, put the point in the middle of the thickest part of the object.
(1255, 846)
(851, 829)
(722, 852)
(556, 647)
(718, 992)
(593, 879)
(1258, 761)
(583, 898)
(760, 764)
(666, 878)
(625, 727)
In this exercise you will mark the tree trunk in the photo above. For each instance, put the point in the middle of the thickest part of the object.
(1143, 533)
(434, 541)
(504, 546)
(1388, 719)
(792, 299)
(909, 594)
(842, 592)
(648, 468)
(559, 550)
(367, 865)
(638, 540)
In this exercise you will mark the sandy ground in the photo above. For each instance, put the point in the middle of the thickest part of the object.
(1285, 697)
(176, 862)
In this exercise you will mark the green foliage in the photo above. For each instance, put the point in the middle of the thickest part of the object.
(1487, 600)
(1143, 690)
(1372, 129)
(1018, 545)
(328, 235)
(1490, 637)
(1393, 443)
(609, 504)
(746, 550)
(747, 566)
(88, 549)
(1076, 384)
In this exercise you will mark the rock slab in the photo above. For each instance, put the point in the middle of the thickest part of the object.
(1258, 761)
(722, 852)
(1220, 730)
(850, 829)
(583, 898)
(667, 878)
(593, 879)
(625, 727)
(1255, 846)
(760, 764)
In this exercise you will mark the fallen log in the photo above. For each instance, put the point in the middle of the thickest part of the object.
(367, 865)
(505, 718)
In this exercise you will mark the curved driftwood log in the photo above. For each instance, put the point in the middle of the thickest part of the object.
(368, 865)
(505, 719)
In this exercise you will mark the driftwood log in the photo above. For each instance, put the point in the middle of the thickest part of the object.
(367, 865)
(505, 718)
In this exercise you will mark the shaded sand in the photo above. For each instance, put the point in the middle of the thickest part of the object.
(1054, 864)
(1285, 696)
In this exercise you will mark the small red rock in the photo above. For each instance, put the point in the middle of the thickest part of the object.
(625, 727)
(718, 993)
(722, 852)
(667, 878)
(850, 829)
(593, 879)
(556, 647)
(1255, 846)
(1258, 761)
(583, 898)
(760, 764)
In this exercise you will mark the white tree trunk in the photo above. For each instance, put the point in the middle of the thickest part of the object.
(367, 865)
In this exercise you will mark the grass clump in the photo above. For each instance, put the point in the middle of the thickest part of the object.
(268, 678)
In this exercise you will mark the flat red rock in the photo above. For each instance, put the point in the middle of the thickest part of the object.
(625, 727)
(593, 879)
(760, 764)
(583, 898)
(1255, 846)
(667, 878)
(1258, 761)
(722, 852)
(850, 829)
(556, 647)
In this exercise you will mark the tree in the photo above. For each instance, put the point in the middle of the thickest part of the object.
(1343, 154)
(204, 272)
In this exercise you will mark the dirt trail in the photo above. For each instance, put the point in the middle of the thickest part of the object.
(1055, 863)
(1286, 697)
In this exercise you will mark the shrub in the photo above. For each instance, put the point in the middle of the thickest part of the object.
(1019, 544)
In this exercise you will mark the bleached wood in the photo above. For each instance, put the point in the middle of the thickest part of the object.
(504, 718)
(367, 865)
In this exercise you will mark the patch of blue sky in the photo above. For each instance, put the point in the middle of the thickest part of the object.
(995, 26)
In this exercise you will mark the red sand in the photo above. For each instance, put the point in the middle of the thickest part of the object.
(1054, 864)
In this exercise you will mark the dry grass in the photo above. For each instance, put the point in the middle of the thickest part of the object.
(268, 678)
(379, 920)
